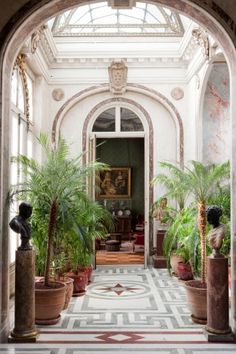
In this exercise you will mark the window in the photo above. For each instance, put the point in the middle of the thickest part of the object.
(100, 19)
(117, 119)
(21, 131)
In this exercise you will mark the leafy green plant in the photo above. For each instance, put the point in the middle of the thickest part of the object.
(200, 182)
(203, 181)
(57, 190)
(173, 182)
(182, 237)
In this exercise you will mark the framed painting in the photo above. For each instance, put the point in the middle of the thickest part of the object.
(115, 183)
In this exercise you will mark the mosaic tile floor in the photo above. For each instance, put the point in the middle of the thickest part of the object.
(126, 309)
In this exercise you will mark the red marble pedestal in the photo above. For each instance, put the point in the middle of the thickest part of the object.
(217, 328)
(159, 261)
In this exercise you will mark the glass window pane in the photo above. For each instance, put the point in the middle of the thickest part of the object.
(14, 147)
(14, 87)
(105, 122)
(30, 88)
(20, 100)
(130, 121)
(30, 144)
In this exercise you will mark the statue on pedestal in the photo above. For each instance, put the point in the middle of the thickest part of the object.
(20, 225)
(161, 212)
(217, 233)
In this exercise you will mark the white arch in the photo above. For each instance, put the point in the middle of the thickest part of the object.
(93, 90)
(33, 15)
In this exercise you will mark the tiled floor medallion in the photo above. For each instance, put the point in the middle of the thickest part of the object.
(126, 289)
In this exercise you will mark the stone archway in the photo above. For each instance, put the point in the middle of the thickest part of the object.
(22, 24)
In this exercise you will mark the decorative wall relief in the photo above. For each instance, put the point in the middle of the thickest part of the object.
(201, 38)
(216, 116)
(177, 93)
(36, 38)
(58, 94)
(118, 76)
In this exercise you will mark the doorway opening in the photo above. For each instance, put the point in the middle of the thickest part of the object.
(124, 199)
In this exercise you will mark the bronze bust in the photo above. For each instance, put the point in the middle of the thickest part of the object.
(20, 225)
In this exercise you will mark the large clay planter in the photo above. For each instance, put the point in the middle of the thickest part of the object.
(80, 282)
(197, 300)
(49, 302)
(184, 271)
(174, 260)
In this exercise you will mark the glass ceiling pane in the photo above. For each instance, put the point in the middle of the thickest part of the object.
(105, 20)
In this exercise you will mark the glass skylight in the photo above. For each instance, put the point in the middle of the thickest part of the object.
(99, 20)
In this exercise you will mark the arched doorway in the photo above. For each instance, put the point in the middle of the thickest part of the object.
(7, 57)
(126, 134)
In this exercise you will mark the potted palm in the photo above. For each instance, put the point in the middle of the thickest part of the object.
(181, 243)
(94, 221)
(55, 189)
(202, 181)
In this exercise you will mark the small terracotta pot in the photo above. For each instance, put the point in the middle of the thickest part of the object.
(88, 270)
(80, 282)
(184, 271)
(174, 260)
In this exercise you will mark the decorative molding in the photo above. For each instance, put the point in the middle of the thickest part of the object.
(58, 94)
(121, 4)
(36, 38)
(202, 40)
(88, 92)
(177, 93)
(21, 63)
(118, 76)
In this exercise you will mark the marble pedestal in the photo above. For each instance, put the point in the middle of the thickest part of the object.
(24, 329)
(159, 261)
(217, 328)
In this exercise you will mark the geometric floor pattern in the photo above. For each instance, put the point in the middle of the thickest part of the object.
(125, 309)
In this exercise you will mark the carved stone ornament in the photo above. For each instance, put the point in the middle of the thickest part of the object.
(36, 37)
(122, 4)
(177, 93)
(118, 76)
(58, 94)
(201, 38)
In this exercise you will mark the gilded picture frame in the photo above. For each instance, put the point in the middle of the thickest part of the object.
(115, 183)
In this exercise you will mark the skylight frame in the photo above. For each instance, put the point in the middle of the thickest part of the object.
(172, 27)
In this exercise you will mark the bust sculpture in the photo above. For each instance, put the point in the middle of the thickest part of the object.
(161, 212)
(20, 225)
(217, 233)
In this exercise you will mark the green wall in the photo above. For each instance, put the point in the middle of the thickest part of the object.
(126, 152)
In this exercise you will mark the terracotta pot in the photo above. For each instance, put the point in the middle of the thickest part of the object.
(174, 260)
(184, 271)
(69, 289)
(49, 302)
(88, 270)
(197, 300)
(79, 284)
